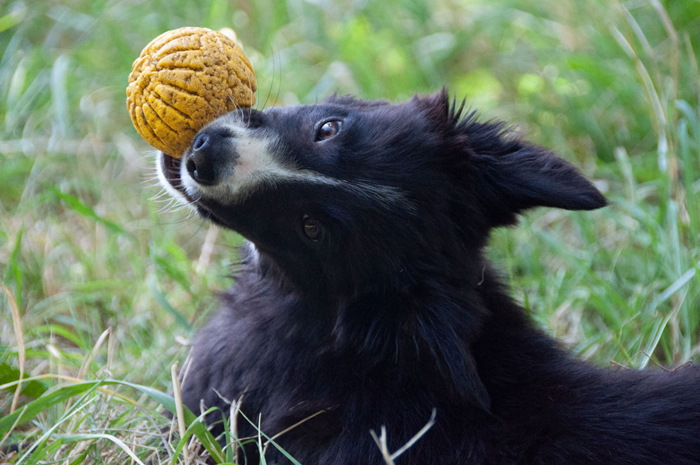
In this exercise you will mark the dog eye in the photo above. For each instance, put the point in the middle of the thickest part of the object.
(327, 130)
(312, 228)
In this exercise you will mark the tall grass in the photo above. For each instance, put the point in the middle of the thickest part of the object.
(109, 280)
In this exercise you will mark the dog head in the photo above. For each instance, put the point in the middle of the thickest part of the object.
(349, 195)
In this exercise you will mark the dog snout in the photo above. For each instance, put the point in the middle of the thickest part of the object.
(212, 154)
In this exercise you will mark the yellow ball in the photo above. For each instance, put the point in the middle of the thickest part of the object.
(184, 79)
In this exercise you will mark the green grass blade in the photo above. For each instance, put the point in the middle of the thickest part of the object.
(13, 268)
(160, 298)
(64, 393)
(34, 451)
(109, 437)
(49, 399)
(189, 432)
(9, 374)
(277, 446)
(82, 209)
(191, 420)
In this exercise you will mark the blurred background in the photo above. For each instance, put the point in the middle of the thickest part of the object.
(87, 244)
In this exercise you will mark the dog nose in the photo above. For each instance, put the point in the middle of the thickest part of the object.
(200, 142)
(211, 150)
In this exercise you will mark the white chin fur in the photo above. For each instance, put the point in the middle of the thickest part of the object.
(174, 193)
(253, 254)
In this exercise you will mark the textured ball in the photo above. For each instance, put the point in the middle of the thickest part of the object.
(183, 80)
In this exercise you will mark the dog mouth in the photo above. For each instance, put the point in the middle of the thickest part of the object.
(171, 171)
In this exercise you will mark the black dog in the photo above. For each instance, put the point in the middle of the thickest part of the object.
(365, 295)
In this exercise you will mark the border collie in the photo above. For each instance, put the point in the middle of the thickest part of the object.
(365, 295)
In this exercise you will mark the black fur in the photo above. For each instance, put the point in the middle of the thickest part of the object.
(394, 311)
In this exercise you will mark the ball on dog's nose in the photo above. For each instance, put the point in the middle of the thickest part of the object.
(184, 79)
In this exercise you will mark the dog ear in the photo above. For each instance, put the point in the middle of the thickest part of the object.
(525, 176)
(507, 173)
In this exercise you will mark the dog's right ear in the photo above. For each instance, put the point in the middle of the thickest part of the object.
(512, 176)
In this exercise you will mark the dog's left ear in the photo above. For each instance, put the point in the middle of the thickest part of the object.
(508, 174)
(523, 176)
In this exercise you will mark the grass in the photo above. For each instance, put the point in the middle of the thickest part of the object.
(109, 283)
